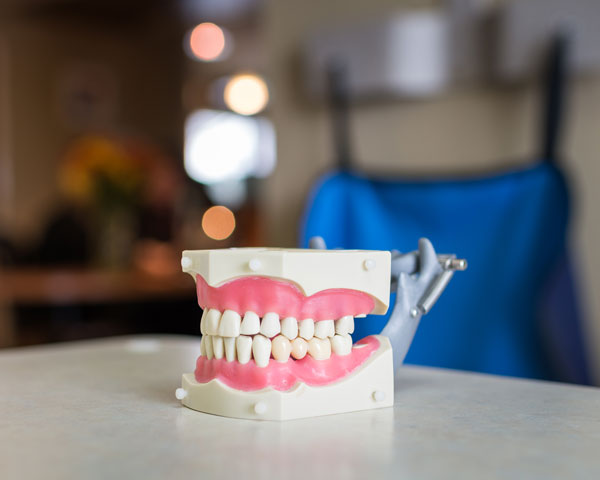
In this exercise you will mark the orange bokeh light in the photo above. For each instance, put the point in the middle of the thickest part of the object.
(207, 41)
(218, 222)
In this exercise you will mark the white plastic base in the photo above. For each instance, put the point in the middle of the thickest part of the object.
(370, 386)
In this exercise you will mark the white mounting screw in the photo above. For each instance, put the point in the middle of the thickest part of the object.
(180, 393)
(378, 396)
(260, 408)
(369, 264)
(186, 262)
(255, 264)
(414, 312)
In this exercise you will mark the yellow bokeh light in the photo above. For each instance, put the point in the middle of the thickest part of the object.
(246, 94)
(218, 222)
(207, 42)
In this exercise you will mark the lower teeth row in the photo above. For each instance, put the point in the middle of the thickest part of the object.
(244, 347)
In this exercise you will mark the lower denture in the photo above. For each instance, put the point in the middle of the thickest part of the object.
(283, 376)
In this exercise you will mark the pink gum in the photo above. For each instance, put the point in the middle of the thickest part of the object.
(262, 295)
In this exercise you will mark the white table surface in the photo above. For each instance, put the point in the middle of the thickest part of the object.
(106, 409)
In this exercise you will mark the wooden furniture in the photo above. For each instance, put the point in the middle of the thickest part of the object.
(68, 287)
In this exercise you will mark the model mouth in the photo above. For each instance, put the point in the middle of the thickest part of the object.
(260, 332)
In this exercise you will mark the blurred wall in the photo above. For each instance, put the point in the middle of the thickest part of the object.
(143, 57)
(466, 129)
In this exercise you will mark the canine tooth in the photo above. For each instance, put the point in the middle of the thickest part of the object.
(261, 350)
(289, 327)
(270, 325)
(324, 329)
(281, 348)
(203, 346)
(299, 348)
(230, 324)
(319, 348)
(218, 347)
(306, 328)
(250, 324)
(344, 325)
(209, 347)
(341, 344)
(229, 343)
(243, 345)
(203, 321)
(212, 321)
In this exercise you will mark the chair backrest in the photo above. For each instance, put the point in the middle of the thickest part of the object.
(512, 230)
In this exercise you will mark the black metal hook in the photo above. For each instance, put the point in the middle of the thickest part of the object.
(339, 100)
(554, 91)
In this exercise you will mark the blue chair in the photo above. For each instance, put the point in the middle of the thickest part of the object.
(512, 230)
(514, 311)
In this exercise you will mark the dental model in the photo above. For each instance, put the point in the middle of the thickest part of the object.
(277, 323)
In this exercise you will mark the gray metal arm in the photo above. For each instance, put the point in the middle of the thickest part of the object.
(419, 279)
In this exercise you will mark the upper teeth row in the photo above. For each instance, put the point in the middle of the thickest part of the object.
(231, 324)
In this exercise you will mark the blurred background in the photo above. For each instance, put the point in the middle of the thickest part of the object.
(131, 130)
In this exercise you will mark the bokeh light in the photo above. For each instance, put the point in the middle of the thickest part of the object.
(218, 222)
(207, 42)
(227, 147)
(246, 94)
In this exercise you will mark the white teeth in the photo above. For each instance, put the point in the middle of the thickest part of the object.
(209, 347)
(229, 343)
(218, 347)
(299, 348)
(203, 321)
(230, 324)
(319, 349)
(360, 315)
(261, 350)
(324, 329)
(289, 327)
(341, 344)
(212, 322)
(306, 328)
(250, 324)
(281, 348)
(270, 325)
(203, 346)
(344, 325)
(243, 345)
(227, 335)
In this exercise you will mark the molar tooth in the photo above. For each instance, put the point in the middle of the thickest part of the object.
(218, 347)
(324, 329)
(289, 327)
(270, 325)
(250, 324)
(281, 348)
(306, 328)
(229, 343)
(341, 344)
(209, 347)
(319, 348)
(212, 321)
(299, 348)
(344, 325)
(243, 345)
(203, 321)
(230, 324)
(261, 350)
